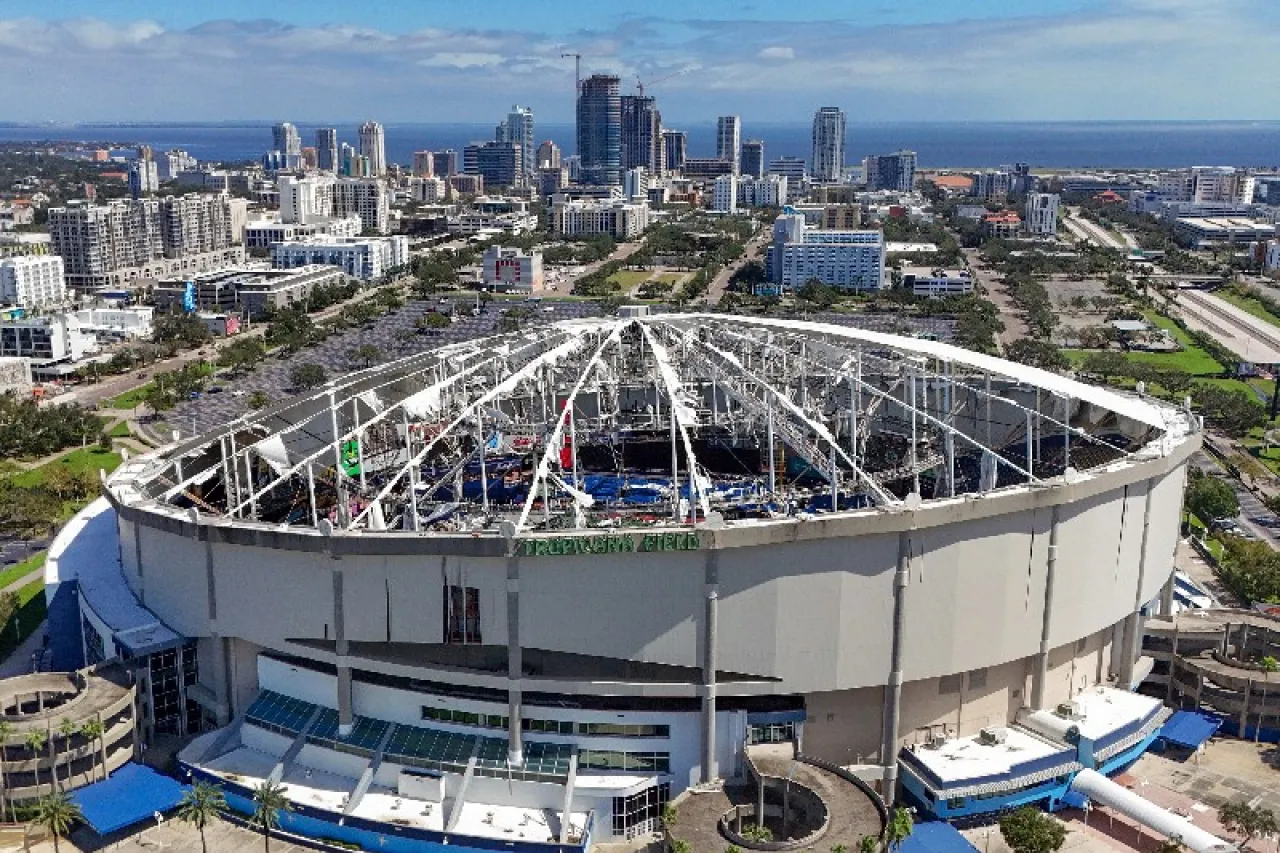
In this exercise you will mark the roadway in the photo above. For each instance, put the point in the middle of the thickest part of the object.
(752, 250)
(1090, 232)
(1251, 339)
(1259, 521)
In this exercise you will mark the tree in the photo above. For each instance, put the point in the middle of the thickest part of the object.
(242, 355)
(1246, 820)
(259, 400)
(819, 294)
(839, 848)
(6, 732)
(681, 846)
(157, 399)
(433, 320)
(269, 800)
(868, 844)
(1029, 830)
(307, 375)
(56, 813)
(1037, 353)
(67, 729)
(1210, 498)
(1106, 365)
(202, 803)
(1172, 844)
(898, 829)
(36, 740)
(92, 731)
(1268, 665)
(365, 354)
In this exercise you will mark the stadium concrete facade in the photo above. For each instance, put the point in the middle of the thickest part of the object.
(591, 564)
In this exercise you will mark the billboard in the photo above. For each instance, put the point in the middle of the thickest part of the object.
(189, 297)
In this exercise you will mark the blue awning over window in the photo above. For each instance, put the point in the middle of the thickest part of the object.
(1189, 728)
(132, 794)
(936, 836)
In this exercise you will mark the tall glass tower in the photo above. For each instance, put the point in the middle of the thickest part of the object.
(600, 130)
(373, 145)
(327, 149)
(828, 144)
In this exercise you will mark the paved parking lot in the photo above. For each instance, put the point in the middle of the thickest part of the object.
(14, 550)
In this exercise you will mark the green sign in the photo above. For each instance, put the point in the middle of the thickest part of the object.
(351, 457)
(611, 543)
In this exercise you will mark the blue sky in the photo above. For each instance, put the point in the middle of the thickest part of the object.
(439, 60)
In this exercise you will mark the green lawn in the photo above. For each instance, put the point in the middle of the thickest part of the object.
(628, 279)
(1249, 304)
(31, 612)
(130, 399)
(120, 430)
(671, 277)
(20, 570)
(87, 459)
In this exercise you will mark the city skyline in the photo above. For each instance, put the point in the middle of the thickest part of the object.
(978, 61)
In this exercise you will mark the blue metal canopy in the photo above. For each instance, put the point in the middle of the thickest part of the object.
(936, 836)
(132, 794)
(1189, 728)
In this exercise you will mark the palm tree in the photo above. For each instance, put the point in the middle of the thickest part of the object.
(92, 731)
(1268, 665)
(56, 813)
(269, 800)
(35, 741)
(6, 732)
(66, 728)
(201, 803)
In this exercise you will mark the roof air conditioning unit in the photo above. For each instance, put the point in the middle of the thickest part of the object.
(936, 740)
(1070, 710)
(993, 736)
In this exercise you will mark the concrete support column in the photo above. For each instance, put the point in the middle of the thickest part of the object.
(1042, 659)
(1166, 599)
(1244, 709)
(1173, 668)
(709, 640)
(1133, 622)
(346, 720)
(515, 665)
(893, 692)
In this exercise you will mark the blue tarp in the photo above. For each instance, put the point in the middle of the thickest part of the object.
(1189, 728)
(936, 836)
(130, 795)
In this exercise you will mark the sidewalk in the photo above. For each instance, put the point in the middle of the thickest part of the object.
(19, 662)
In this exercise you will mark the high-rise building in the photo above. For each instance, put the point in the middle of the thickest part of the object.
(729, 140)
(790, 167)
(520, 132)
(641, 134)
(752, 163)
(675, 148)
(850, 260)
(499, 163)
(992, 184)
(1042, 213)
(285, 139)
(444, 163)
(828, 144)
(346, 154)
(327, 149)
(368, 198)
(724, 197)
(635, 183)
(310, 158)
(769, 191)
(305, 200)
(600, 130)
(548, 155)
(171, 162)
(424, 165)
(896, 171)
(373, 144)
(143, 177)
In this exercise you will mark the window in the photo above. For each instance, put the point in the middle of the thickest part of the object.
(461, 614)
(640, 813)
(623, 730)
(949, 684)
(978, 679)
(771, 733)
(639, 762)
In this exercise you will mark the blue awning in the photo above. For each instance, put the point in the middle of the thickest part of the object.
(132, 794)
(1189, 728)
(936, 836)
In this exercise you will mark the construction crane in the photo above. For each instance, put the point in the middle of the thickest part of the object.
(577, 71)
(685, 70)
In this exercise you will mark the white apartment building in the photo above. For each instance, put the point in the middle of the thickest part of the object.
(724, 194)
(579, 218)
(170, 163)
(935, 283)
(117, 324)
(635, 183)
(1042, 213)
(1272, 260)
(368, 198)
(261, 233)
(992, 184)
(118, 242)
(46, 339)
(365, 258)
(427, 190)
(374, 146)
(512, 269)
(304, 199)
(144, 177)
(851, 260)
(729, 141)
(32, 281)
(769, 191)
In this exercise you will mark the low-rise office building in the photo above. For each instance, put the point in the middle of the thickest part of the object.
(1004, 225)
(512, 269)
(1200, 231)
(46, 340)
(935, 282)
(117, 324)
(244, 290)
(32, 281)
(850, 260)
(365, 258)
(261, 233)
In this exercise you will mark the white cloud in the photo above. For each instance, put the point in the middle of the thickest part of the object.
(776, 53)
